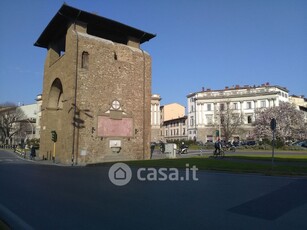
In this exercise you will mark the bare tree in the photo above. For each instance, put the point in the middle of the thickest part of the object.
(9, 125)
(289, 122)
(230, 120)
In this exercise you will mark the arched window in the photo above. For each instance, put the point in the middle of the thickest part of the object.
(56, 95)
(84, 63)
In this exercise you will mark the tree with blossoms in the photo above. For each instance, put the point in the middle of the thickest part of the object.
(290, 122)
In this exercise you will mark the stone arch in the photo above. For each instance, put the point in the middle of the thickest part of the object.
(56, 95)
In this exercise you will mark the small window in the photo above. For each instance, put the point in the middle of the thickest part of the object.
(84, 64)
(249, 119)
(209, 107)
(209, 119)
(249, 105)
(192, 121)
(263, 104)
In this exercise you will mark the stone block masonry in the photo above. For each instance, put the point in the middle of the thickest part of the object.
(96, 92)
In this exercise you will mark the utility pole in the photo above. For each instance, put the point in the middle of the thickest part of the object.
(273, 128)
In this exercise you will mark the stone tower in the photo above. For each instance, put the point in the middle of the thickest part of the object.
(96, 89)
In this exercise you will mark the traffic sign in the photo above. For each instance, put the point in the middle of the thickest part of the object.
(273, 124)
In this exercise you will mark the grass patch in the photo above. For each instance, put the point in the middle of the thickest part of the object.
(253, 165)
(285, 164)
(277, 158)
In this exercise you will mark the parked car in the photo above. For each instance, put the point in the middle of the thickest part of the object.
(251, 143)
(300, 143)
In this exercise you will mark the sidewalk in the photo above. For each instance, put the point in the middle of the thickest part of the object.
(25, 155)
(192, 153)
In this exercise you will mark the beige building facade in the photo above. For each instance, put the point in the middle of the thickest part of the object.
(172, 122)
(175, 129)
(96, 89)
(301, 104)
(204, 109)
(171, 111)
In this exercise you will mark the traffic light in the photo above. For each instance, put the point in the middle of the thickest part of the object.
(54, 136)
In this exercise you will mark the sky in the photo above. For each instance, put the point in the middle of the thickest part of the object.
(199, 43)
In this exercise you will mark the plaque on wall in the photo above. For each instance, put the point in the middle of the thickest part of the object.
(108, 127)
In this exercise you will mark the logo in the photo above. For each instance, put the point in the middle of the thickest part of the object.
(120, 174)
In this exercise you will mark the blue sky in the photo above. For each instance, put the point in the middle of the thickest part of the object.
(199, 43)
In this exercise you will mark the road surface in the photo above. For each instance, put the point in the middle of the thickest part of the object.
(36, 196)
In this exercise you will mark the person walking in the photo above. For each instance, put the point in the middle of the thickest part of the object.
(33, 153)
(217, 146)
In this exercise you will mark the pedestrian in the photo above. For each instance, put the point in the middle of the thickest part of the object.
(217, 146)
(162, 147)
(33, 153)
(152, 148)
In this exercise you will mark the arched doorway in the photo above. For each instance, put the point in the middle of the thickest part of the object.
(56, 95)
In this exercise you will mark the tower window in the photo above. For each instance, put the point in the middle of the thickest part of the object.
(84, 64)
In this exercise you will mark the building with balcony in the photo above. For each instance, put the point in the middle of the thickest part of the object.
(207, 107)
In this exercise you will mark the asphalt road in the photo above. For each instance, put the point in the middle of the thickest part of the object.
(6, 157)
(36, 196)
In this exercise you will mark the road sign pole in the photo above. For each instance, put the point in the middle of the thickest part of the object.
(53, 152)
(273, 147)
(273, 128)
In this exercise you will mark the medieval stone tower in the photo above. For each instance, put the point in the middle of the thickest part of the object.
(96, 89)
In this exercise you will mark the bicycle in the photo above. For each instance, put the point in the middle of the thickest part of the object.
(219, 153)
(230, 148)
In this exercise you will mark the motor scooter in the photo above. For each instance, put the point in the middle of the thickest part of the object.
(182, 150)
